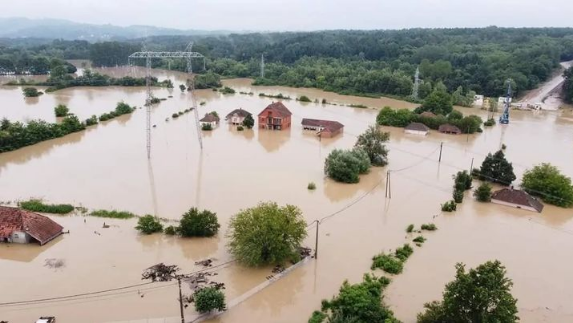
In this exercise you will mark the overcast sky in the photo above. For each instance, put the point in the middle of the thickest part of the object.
(299, 14)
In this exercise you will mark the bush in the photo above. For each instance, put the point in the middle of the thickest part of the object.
(317, 317)
(458, 196)
(112, 214)
(249, 122)
(206, 127)
(547, 182)
(495, 168)
(372, 142)
(463, 181)
(419, 239)
(489, 123)
(429, 227)
(359, 106)
(449, 206)
(227, 90)
(171, 230)
(311, 186)
(31, 92)
(195, 223)
(388, 263)
(91, 121)
(410, 228)
(208, 299)
(175, 116)
(240, 128)
(345, 165)
(182, 87)
(304, 98)
(324, 101)
(39, 206)
(267, 234)
(61, 110)
(404, 252)
(483, 192)
(149, 224)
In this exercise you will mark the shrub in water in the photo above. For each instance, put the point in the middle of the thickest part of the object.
(483, 192)
(38, 206)
(208, 299)
(149, 224)
(304, 98)
(171, 230)
(207, 127)
(61, 110)
(429, 227)
(458, 196)
(240, 128)
(91, 121)
(404, 252)
(410, 228)
(311, 186)
(419, 239)
(197, 223)
(388, 263)
(112, 214)
(449, 206)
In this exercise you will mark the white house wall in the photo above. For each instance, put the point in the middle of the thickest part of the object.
(20, 237)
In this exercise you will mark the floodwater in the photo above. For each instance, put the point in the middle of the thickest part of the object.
(106, 167)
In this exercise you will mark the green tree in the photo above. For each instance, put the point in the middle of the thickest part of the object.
(480, 295)
(438, 102)
(345, 165)
(495, 168)
(31, 92)
(547, 182)
(208, 299)
(71, 123)
(267, 234)
(371, 141)
(61, 110)
(149, 224)
(483, 192)
(182, 87)
(249, 122)
(195, 223)
(304, 98)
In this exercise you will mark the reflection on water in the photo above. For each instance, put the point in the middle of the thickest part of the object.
(106, 167)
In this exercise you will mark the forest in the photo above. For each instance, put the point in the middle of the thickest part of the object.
(351, 62)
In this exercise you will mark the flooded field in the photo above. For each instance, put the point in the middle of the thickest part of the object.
(106, 167)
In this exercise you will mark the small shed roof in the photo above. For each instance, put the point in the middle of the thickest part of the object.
(277, 108)
(240, 112)
(517, 197)
(37, 226)
(332, 126)
(448, 128)
(428, 114)
(416, 126)
(209, 117)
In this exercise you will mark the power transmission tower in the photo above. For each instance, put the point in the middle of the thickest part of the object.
(148, 56)
(416, 84)
(262, 66)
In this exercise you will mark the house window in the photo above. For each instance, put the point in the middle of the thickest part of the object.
(15, 236)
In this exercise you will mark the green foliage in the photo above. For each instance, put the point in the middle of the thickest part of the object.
(267, 234)
(207, 81)
(206, 127)
(429, 227)
(170, 230)
(112, 214)
(208, 299)
(410, 228)
(61, 110)
(547, 182)
(93, 120)
(227, 90)
(458, 196)
(568, 85)
(371, 141)
(149, 224)
(182, 87)
(495, 168)
(39, 206)
(438, 102)
(358, 303)
(240, 128)
(31, 92)
(195, 223)
(249, 122)
(403, 117)
(311, 186)
(278, 96)
(489, 123)
(419, 239)
(71, 123)
(317, 317)
(483, 192)
(462, 98)
(345, 165)
(359, 106)
(449, 206)
(455, 115)
(175, 115)
(304, 98)
(481, 295)
(404, 252)
(388, 263)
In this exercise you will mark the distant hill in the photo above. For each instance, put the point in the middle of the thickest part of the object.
(64, 29)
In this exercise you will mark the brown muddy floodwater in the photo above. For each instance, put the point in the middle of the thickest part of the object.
(106, 167)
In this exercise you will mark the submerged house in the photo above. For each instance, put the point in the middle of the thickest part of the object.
(428, 114)
(323, 128)
(517, 198)
(275, 117)
(210, 119)
(449, 129)
(417, 128)
(21, 226)
(237, 116)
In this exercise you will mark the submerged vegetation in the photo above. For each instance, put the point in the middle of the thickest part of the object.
(346, 165)
(38, 206)
(548, 183)
(403, 117)
(112, 214)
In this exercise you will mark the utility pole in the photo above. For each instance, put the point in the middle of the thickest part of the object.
(441, 146)
(316, 242)
(472, 166)
(388, 187)
(180, 300)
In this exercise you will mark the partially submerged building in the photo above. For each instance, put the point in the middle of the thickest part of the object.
(323, 128)
(417, 128)
(275, 117)
(518, 199)
(449, 129)
(237, 116)
(210, 119)
(428, 114)
(21, 226)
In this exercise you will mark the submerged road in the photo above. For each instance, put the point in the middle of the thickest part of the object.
(543, 94)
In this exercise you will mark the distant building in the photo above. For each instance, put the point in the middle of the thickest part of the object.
(211, 119)
(323, 128)
(449, 129)
(275, 117)
(518, 199)
(237, 116)
(417, 128)
(21, 226)
(478, 100)
(428, 114)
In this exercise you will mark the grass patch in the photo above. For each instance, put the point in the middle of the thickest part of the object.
(410, 228)
(429, 227)
(404, 252)
(419, 239)
(112, 214)
(38, 206)
(359, 106)
(388, 263)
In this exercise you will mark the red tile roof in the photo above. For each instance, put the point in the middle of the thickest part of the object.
(416, 126)
(332, 126)
(448, 128)
(209, 117)
(277, 109)
(37, 226)
(517, 197)
(428, 114)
